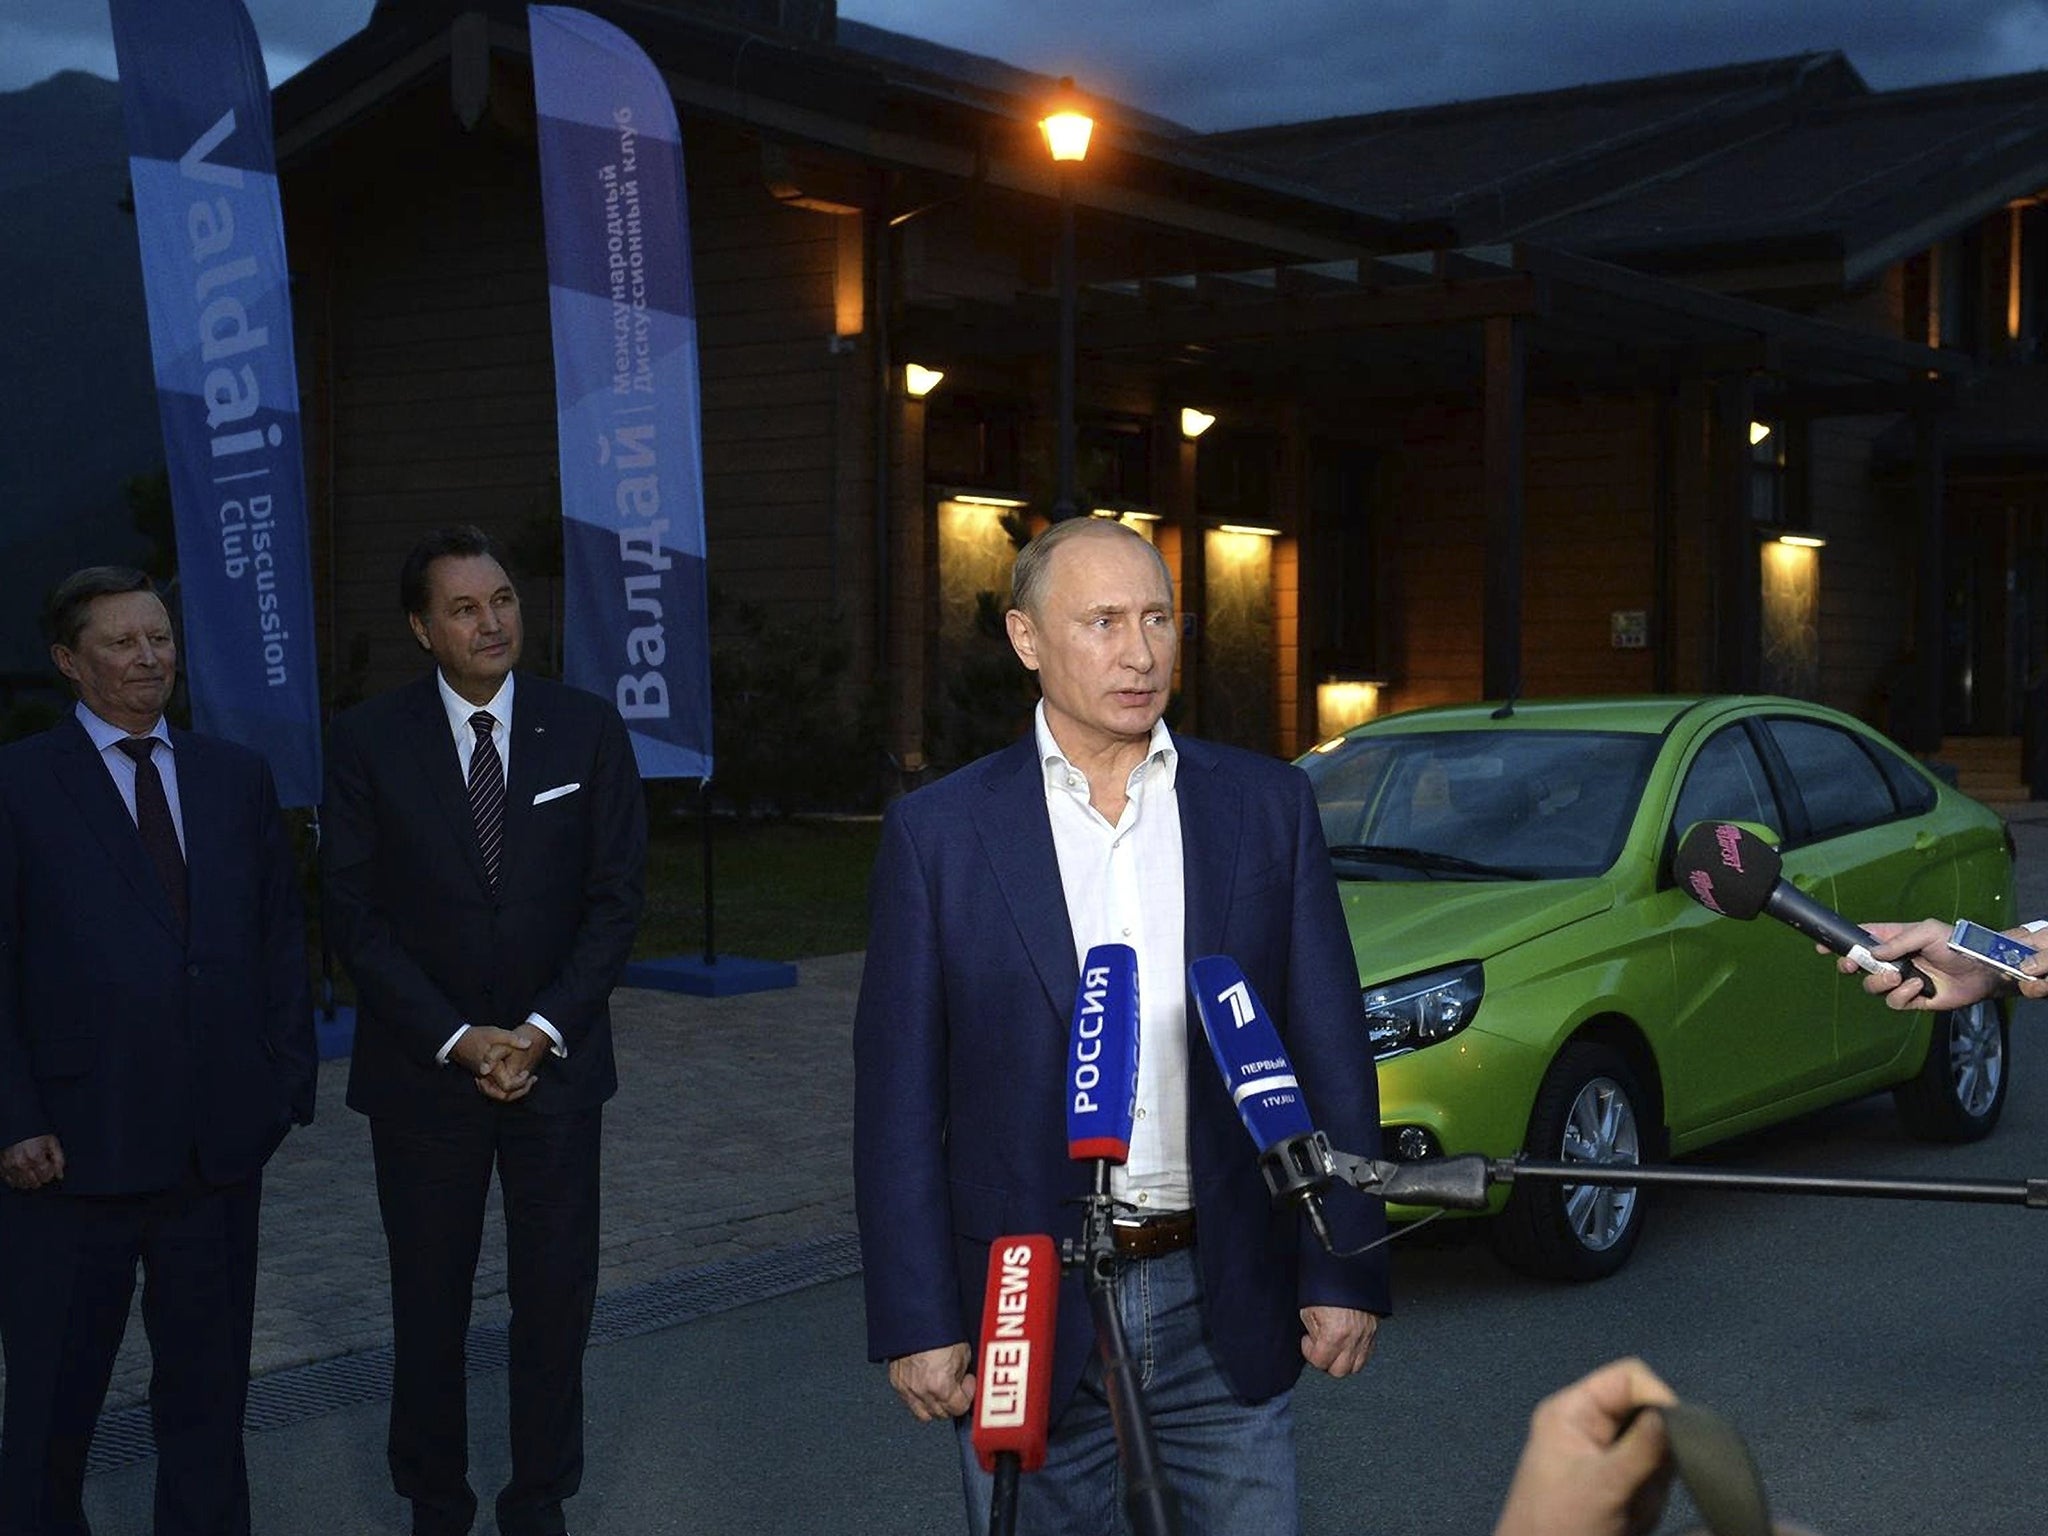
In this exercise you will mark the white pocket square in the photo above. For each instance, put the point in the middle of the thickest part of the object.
(556, 793)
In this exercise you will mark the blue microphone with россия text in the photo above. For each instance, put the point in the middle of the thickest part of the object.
(1102, 1103)
(1102, 1056)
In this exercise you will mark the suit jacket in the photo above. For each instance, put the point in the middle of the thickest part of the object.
(430, 948)
(960, 1048)
(135, 1046)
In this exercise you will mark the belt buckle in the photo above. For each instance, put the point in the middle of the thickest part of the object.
(1146, 1237)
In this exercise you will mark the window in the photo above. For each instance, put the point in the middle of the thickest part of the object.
(1340, 569)
(1726, 783)
(1235, 476)
(1910, 790)
(1767, 452)
(1113, 462)
(1837, 780)
(969, 442)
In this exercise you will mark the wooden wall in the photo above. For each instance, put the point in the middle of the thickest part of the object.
(429, 313)
(431, 388)
(1589, 548)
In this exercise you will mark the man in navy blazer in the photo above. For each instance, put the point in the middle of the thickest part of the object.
(989, 886)
(485, 839)
(156, 1042)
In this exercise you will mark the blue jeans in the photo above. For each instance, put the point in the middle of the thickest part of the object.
(1229, 1463)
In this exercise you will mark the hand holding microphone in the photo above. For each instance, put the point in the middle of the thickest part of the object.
(1957, 979)
(1730, 870)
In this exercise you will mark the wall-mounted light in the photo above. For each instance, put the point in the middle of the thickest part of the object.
(1258, 529)
(920, 380)
(1067, 128)
(1341, 703)
(1194, 423)
(1803, 540)
(1758, 431)
(983, 499)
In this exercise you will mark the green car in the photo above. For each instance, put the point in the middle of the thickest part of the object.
(1534, 982)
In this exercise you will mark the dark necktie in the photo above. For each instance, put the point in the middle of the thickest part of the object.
(487, 793)
(153, 821)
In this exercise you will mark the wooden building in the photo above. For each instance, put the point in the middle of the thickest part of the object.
(1520, 395)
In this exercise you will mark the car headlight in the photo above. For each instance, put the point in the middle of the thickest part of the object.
(1416, 1011)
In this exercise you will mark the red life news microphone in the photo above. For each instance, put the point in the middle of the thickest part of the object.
(1013, 1389)
(1730, 870)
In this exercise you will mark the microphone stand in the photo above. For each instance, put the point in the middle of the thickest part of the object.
(1461, 1183)
(1002, 1512)
(1148, 1501)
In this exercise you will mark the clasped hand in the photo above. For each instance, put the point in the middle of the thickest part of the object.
(32, 1163)
(503, 1060)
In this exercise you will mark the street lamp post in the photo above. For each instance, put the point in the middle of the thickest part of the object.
(1067, 131)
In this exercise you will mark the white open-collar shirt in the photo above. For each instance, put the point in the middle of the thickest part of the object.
(1123, 885)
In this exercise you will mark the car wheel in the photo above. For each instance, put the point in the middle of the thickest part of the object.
(1959, 1091)
(1589, 1110)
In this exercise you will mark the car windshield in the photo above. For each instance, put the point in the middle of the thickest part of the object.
(1479, 805)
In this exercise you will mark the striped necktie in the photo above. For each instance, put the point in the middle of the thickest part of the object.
(153, 821)
(487, 793)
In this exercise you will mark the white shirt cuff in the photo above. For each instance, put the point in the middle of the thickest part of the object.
(442, 1055)
(551, 1032)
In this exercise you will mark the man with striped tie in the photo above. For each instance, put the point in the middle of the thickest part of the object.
(485, 834)
(156, 1042)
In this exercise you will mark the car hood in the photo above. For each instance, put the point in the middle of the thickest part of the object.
(1399, 927)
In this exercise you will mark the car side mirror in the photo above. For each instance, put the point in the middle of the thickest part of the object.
(1757, 829)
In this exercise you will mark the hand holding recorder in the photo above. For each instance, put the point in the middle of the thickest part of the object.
(1965, 962)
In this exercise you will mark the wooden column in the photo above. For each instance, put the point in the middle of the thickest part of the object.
(1737, 599)
(1174, 466)
(1664, 526)
(1923, 718)
(1501, 675)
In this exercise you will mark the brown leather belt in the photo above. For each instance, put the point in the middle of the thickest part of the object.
(1147, 1237)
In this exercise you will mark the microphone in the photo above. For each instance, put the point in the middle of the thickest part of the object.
(1732, 871)
(1102, 1056)
(1013, 1392)
(1293, 1155)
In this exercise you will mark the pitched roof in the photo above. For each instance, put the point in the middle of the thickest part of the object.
(1860, 181)
(887, 99)
(957, 66)
(1780, 161)
(1468, 160)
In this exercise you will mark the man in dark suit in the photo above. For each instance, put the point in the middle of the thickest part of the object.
(1104, 827)
(156, 1042)
(485, 837)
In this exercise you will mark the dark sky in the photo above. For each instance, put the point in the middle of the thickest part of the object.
(1226, 63)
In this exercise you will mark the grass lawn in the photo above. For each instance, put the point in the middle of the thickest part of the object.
(783, 890)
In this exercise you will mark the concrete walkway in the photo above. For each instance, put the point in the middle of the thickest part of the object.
(729, 1136)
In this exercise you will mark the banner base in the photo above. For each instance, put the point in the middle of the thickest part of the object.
(723, 976)
(336, 1032)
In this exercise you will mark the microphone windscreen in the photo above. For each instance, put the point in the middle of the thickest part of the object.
(1102, 1055)
(1256, 1072)
(1013, 1386)
(1726, 868)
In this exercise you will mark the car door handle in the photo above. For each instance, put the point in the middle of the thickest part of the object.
(1924, 841)
(1804, 883)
